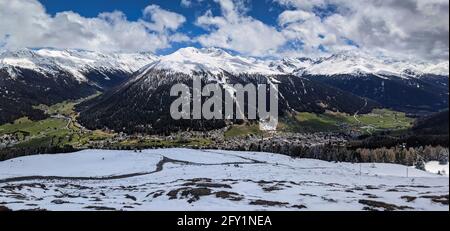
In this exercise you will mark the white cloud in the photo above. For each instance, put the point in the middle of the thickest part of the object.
(290, 16)
(186, 3)
(25, 23)
(191, 3)
(236, 31)
(410, 28)
(311, 35)
(302, 4)
(162, 19)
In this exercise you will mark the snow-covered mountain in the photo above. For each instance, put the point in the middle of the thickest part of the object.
(145, 99)
(214, 61)
(76, 62)
(358, 84)
(405, 85)
(359, 63)
(291, 65)
(210, 60)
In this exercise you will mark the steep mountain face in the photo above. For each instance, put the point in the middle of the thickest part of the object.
(142, 104)
(32, 77)
(413, 95)
(414, 87)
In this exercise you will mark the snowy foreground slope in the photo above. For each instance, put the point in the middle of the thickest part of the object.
(183, 179)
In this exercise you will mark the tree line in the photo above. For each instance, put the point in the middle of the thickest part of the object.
(397, 155)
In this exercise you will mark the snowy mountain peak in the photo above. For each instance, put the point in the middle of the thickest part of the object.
(212, 60)
(292, 65)
(192, 51)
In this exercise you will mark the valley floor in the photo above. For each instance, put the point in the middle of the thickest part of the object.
(185, 179)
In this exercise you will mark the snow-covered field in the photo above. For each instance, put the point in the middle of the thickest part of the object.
(184, 179)
(435, 167)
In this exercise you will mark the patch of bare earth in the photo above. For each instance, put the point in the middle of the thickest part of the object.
(156, 194)
(207, 185)
(4, 209)
(443, 199)
(409, 198)
(376, 205)
(232, 196)
(100, 208)
(268, 203)
(192, 194)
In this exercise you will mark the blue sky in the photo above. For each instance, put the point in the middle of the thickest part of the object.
(262, 10)
(258, 28)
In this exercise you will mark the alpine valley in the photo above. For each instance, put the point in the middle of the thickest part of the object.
(133, 89)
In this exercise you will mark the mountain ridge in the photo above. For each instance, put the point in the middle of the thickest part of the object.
(359, 63)
(77, 62)
(216, 60)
